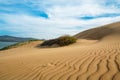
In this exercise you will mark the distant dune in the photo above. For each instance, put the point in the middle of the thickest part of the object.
(95, 56)
(100, 32)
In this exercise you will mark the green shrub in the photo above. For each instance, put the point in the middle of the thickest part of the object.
(61, 41)
(66, 40)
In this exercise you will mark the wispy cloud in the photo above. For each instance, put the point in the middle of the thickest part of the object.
(52, 18)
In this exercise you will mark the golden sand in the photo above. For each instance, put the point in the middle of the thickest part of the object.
(84, 60)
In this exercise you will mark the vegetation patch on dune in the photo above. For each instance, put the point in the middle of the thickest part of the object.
(18, 44)
(61, 41)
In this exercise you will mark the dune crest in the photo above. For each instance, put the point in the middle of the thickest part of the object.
(97, 58)
(100, 32)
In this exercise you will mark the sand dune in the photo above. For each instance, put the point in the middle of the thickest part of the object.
(100, 32)
(94, 59)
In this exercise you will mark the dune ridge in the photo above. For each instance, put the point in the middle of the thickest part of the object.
(100, 32)
(94, 59)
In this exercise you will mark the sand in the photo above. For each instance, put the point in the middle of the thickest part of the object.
(84, 60)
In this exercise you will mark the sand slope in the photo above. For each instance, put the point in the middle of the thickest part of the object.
(100, 32)
(84, 60)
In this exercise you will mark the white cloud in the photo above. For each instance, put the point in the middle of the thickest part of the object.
(63, 17)
(50, 28)
(85, 9)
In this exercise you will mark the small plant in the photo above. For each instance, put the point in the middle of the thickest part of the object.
(66, 40)
(61, 41)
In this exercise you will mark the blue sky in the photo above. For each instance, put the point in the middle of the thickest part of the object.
(47, 19)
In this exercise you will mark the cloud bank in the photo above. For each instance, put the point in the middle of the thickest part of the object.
(52, 18)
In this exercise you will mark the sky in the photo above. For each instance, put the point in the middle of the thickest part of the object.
(46, 19)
